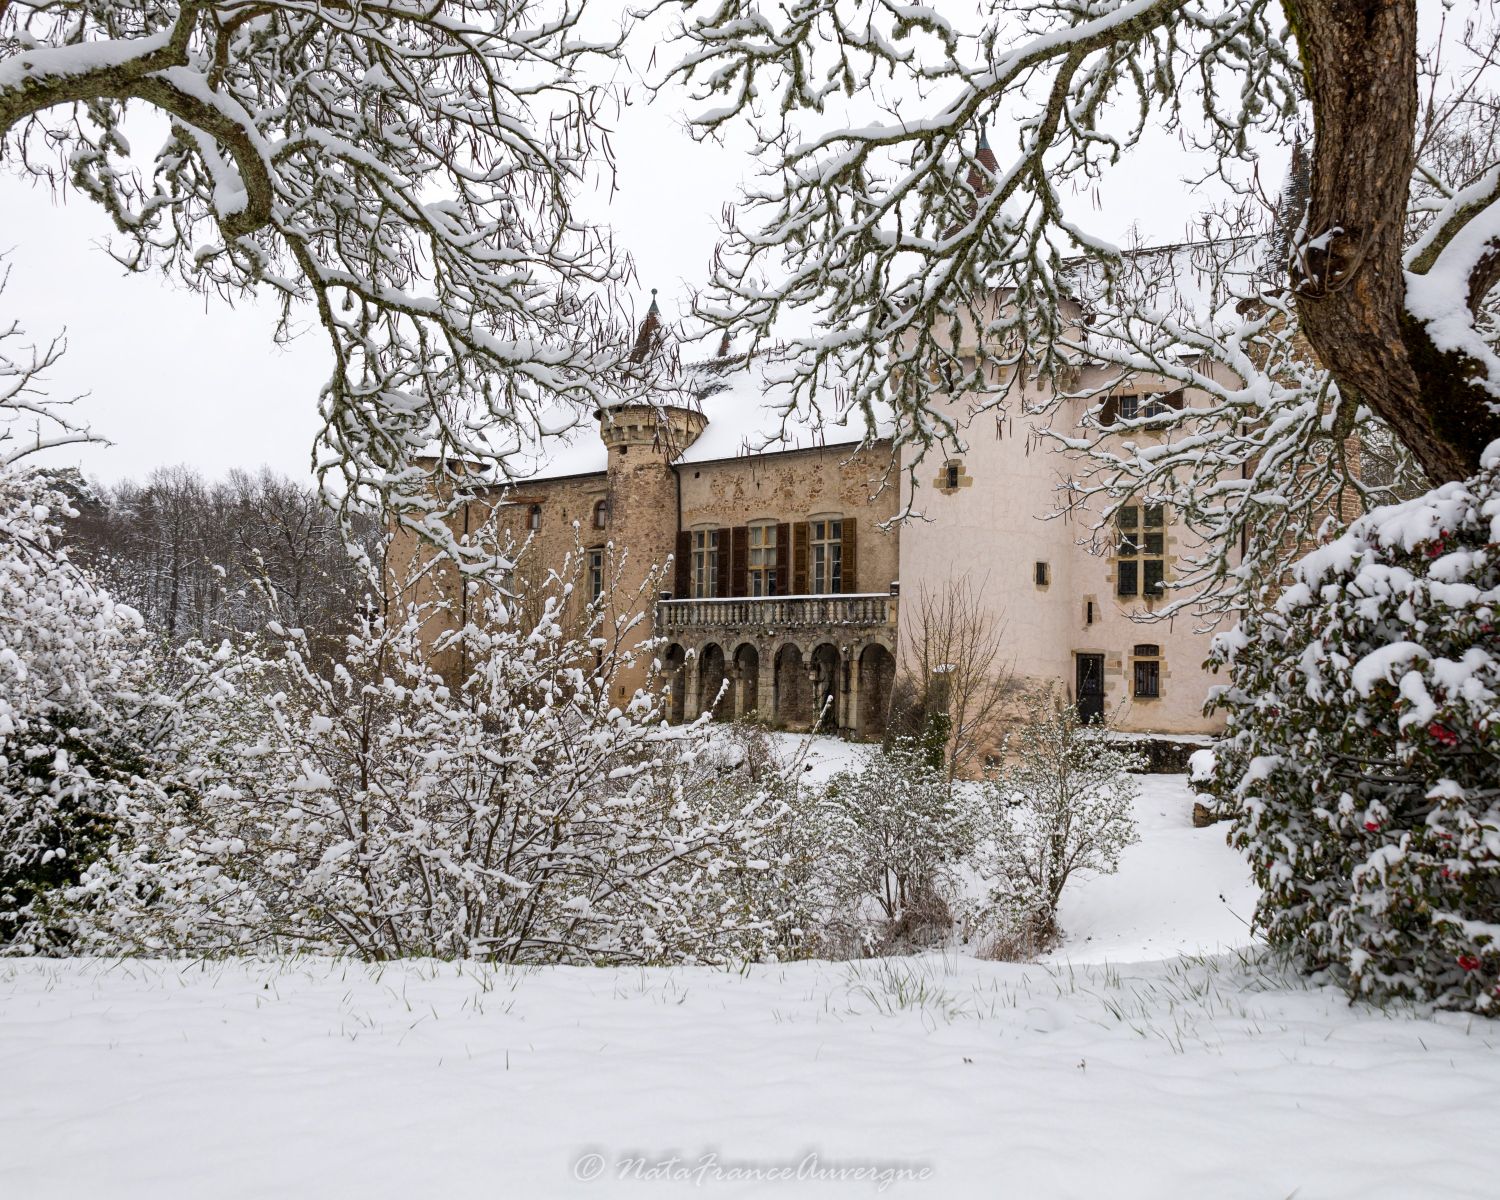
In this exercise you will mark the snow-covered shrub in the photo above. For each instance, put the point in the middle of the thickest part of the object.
(894, 832)
(513, 812)
(1061, 804)
(84, 731)
(1362, 760)
(782, 896)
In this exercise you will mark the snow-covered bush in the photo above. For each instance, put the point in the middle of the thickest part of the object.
(782, 896)
(894, 832)
(84, 731)
(1061, 804)
(1362, 760)
(515, 812)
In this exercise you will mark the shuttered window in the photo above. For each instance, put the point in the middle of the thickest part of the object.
(1131, 406)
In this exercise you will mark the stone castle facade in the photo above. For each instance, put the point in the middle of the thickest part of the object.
(781, 587)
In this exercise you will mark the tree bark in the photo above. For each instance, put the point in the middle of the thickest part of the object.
(1360, 62)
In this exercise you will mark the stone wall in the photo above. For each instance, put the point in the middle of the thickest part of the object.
(854, 484)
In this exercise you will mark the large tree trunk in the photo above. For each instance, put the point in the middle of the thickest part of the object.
(1360, 59)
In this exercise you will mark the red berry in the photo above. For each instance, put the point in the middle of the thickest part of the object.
(1372, 826)
(1442, 734)
(1468, 962)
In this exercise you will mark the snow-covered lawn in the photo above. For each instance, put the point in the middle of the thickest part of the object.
(1167, 1077)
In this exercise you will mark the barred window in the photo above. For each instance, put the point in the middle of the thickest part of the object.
(1147, 671)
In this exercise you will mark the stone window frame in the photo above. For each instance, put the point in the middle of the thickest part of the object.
(1148, 666)
(705, 546)
(952, 469)
(831, 543)
(595, 560)
(1133, 528)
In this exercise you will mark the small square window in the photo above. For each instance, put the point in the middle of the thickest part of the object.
(1156, 516)
(1128, 517)
(1130, 407)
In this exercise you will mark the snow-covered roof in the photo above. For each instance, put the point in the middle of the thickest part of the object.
(1188, 279)
(748, 404)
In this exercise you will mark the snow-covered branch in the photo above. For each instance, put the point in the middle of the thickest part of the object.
(401, 173)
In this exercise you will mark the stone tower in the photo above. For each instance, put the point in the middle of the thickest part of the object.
(643, 440)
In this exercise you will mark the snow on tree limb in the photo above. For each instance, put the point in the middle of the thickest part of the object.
(403, 171)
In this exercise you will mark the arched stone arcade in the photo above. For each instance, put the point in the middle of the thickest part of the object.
(801, 684)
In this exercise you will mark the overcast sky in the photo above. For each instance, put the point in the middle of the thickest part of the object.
(172, 377)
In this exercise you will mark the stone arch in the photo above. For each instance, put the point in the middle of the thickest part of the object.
(712, 672)
(746, 672)
(792, 693)
(826, 675)
(674, 680)
(872, 701)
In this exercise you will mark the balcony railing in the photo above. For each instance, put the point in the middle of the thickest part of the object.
(777, 612)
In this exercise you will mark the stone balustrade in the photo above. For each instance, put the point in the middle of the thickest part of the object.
(774, 614)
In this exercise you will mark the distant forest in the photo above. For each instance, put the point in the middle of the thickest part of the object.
(205, 559)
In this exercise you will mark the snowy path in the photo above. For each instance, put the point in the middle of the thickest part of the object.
(1168, 1078)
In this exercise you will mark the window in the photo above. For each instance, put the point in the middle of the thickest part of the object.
(534, 517)
(596, 574)
(1147, 671)
(1088, 612)
(1041, 574)
(1139, 565)
(762, 565)
(951, 475)
(1128, 407)
(827, 556)
(705, 563)
(601, 513)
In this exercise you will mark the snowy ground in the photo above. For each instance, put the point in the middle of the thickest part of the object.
(941, 1076)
